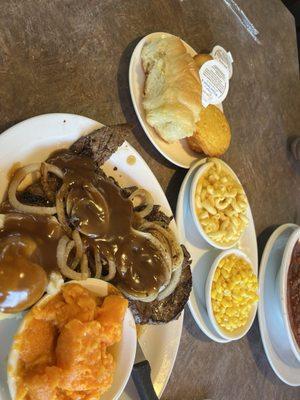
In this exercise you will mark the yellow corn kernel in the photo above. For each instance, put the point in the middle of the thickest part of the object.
(217, 274)
(219, 289)
(225, 273)
(228, 267)
(219, 296)
(234, 290)
(255, 298)
(230, 311)
(215, 307)
(217, 316)
(222, 310)
(226, 303)
(214, 294)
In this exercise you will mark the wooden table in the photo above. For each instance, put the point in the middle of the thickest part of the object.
(72, 56)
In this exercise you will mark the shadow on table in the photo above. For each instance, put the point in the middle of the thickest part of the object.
(263, 239)
(254, 337)
(173, 187)
(192, 328)
(295, 164)
(127, 106)
(259, 356)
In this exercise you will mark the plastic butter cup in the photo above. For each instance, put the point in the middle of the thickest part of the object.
(215, 75)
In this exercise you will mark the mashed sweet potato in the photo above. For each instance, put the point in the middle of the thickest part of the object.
(64, 349)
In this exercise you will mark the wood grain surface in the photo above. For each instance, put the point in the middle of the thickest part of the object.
(73, 56)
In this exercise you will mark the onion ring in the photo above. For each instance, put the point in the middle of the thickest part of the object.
(98, 264)
(112, 270)
(166, 255)
(168, 290)
(62, 260)
(70, 199)
(144, 298)
(84, 266)
(60, 209)
(148, 202)
(13, 188)
(69, 247)
(79, 249)
(45, 169)
(169, 236)
(167, 260)
(53, 169)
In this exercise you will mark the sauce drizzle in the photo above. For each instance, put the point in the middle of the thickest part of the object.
(105, 220)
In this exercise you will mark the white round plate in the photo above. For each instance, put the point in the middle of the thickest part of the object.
(272, 330)
(32, 141)
(178, 152)
(203, 254)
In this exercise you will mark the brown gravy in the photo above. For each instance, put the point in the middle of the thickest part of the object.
(293, 292)
(27, 256)
(28, 243)
(106, 221)
(131, 160)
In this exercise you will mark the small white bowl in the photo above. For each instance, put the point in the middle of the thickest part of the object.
(281, 283)
(200, 172)
(123, 352)
(239, 333)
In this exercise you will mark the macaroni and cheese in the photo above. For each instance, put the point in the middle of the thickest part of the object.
(221, 204)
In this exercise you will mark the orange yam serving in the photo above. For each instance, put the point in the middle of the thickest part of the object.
(64, 350)
(110, 315)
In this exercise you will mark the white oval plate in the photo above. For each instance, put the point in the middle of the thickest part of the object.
(178, 152)
(203, 254)
(272, 330)
(32, 141)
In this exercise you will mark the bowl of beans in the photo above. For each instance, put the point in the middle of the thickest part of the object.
(218, 204)
(288, 285)
(231, 294)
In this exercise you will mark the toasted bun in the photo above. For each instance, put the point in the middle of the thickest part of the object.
(172, 92)
(200, 59)
(212, 135)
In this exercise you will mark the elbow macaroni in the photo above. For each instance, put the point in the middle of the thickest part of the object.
(221, 204)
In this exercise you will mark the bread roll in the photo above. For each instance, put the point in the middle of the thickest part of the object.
(172, 92)
(212, 135)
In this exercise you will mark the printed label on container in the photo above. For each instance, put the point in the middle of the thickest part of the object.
(225, 58)
(215, 82)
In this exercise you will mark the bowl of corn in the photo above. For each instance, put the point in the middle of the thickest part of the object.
(231, 294)
(218, 204)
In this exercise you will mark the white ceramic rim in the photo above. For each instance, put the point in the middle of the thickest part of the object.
(100, 287)
(134, 101)
(216, 338)
(201, 171)
(164, 362)
(247, 326)
(282, 276)
(199, 313)
(269, 348)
